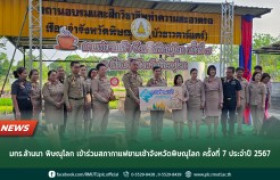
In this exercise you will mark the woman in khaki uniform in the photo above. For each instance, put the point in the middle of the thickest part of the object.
(87, 104)
(256, 94)
(88, 116)
(266, 80)
(36, 97)
(157, 116)
(213, 100)
(180, 116)
(243, 99)
(102, 94)
(54, 101)
(196, 101)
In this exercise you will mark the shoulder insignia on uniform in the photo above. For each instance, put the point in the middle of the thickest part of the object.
(126, 74)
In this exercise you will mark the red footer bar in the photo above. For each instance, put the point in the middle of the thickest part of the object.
(17, 128)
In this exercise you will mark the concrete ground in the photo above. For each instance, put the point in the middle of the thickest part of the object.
(116, 116)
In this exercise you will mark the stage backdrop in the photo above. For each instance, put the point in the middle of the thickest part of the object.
(93, 22)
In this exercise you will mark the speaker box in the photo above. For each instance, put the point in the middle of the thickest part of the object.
(271, 127)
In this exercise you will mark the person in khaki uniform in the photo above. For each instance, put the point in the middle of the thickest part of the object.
(213, 100)
(243, 98)
(60, 74)
(87, 106)
(157, 116)
(266, 80)
(61, 78)
(74, 94)
(54, 102)
(102, 94)
(196, 101)
(83, 72)
(92, 74)
(132, 81)
(256, 94)
(36, 97)
(179, 116)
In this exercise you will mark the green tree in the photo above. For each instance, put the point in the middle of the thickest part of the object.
(57, 63)
(260, 40)
(68, 59)
(92, 61)
(35, 65)
(270, 63)
(4, 65)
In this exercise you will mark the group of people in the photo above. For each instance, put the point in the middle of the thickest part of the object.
(78, 104)
(216, 98)
(70, 101)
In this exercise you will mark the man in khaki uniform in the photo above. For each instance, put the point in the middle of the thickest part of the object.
(102, 94)
(243, 98)
(74, 94)
(132, 81)
(157, 116)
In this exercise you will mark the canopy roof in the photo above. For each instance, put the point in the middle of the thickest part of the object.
(199, 7)
(273, 49)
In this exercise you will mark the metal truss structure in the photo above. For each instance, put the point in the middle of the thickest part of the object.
(35, 32)
(227, 28)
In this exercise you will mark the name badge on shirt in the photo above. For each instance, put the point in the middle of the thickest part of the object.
(233, 83)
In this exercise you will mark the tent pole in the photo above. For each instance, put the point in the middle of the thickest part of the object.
(257, 59)
(40, 44)
(24, 61)
(14, 53)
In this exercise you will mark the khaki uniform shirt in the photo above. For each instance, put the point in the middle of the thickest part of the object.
(156, 82)
(74, 88)
(212, 86)
(87, 83)
(53, 93)
(196, 93)
(244, 84)
(132, 82)
(255, 92)
(36, 94)
(101, 90)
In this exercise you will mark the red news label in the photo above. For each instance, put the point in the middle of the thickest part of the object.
(17, 128)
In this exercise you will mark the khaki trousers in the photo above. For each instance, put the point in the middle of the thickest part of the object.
(156, 123)
(75, 120)
(257, 115)
(101, 115)
(132, 116)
